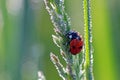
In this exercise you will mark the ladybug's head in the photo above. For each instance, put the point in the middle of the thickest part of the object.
(73, 35)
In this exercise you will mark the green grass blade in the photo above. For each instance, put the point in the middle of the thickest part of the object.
(88, 41)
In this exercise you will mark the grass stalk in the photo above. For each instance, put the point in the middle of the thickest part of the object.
(88, 40)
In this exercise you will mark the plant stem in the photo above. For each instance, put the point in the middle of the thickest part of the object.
(88, 41)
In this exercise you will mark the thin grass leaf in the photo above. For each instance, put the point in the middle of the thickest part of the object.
(58, 16)
(56, 40)
(88, 41)
(58, 66)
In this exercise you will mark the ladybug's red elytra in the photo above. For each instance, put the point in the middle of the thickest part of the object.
(76, 42)
(76, 46)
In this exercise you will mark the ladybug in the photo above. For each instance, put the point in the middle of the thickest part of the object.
(75, 42)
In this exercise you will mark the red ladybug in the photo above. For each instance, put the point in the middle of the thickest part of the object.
(76, 42)
(76, 46)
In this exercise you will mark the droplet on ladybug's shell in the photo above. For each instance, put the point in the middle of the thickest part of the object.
(76, 46)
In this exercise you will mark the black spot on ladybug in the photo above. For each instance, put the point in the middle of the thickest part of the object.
(80, 47)
(73, 47)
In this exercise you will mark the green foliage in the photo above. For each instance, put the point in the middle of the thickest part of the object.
(25, 39)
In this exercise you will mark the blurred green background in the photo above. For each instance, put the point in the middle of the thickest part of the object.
(26, 42)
